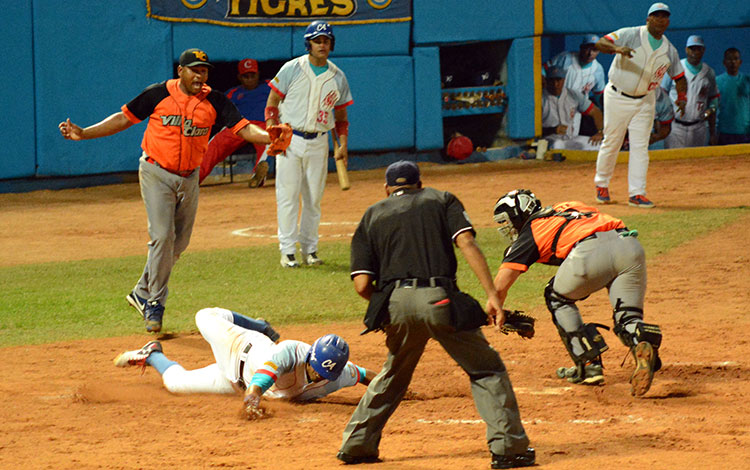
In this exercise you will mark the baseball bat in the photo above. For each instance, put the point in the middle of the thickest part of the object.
(341, 171)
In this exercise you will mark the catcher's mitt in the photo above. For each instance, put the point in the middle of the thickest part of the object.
(517, 322)
(252, 409)
(281, 137)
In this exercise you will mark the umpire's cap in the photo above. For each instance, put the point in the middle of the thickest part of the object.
(193, 57)
(402, 173)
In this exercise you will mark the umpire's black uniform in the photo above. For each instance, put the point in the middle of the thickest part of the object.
(405, 244)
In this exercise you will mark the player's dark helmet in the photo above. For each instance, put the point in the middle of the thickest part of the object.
(513, 210)
(319, 28)
(328, 356)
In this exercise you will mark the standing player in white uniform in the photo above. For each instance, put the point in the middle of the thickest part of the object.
(248, 360)
(582, 73)
(644, 56)
(560, 106)
(311, 94)
(699, 121)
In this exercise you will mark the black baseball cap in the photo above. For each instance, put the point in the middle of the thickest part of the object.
(193, 57)
(402, 173)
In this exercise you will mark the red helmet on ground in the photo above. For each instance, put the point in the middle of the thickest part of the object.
(460, 147)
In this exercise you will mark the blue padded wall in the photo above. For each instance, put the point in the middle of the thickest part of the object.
(521, 97)
(427, 99)
(382, 39)
(17, 118)
(444, 21)
(223, 43)
(382, 116)
(97, 71)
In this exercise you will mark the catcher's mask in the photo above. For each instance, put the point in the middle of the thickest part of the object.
(328, 356)
(319, 28)
(513, 210)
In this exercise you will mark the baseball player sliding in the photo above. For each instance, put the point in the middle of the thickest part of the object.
(248, 360)
(644, 56)
(311, 94)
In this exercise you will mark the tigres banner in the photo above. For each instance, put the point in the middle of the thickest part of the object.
(280, 12)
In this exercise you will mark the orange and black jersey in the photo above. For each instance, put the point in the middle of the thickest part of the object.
(550, 234)
(179, 125)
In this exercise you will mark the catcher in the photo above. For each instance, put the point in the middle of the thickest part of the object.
(250, 362)
(594, 251)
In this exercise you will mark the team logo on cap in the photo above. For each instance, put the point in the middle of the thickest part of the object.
(328, 364)
(200, 55)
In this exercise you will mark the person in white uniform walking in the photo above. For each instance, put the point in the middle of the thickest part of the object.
(644, 56)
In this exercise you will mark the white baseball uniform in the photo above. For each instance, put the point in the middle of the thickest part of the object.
(563, 110)
(629, 103)
(245, 356)
(308, 103)
(586, 79)
(691, 129)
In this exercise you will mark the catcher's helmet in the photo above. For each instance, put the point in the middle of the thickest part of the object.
(328, 356)
(513, 210)
(319, 28)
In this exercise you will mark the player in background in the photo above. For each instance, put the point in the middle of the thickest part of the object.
(249, 361)
(594, 251)
(180, 114)
(734, 106)
(311, 94)
(586, 75)
(643, 56)
(697, 127)
(250, 97)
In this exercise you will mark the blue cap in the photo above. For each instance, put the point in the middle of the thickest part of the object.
(555, 72)
(695, 40)
(658, 6)
(590, 39)
(402, 173)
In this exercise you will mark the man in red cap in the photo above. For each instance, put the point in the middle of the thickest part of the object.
(250, 97)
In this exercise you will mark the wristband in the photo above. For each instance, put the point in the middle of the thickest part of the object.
(681, 96)
(342, 127)
(272, 112)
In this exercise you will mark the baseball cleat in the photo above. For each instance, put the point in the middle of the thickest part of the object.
(525, 459)
(643, 374)
(137, 302)
(137, 357)
(311, 259)
(592, 374)
(640, 201)
(602, 195)
(153, 315)
(259, 177)
(357, 459)
(289, 261)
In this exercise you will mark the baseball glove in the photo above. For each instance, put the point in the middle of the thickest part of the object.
(281, 137)
(517, 322)
(253, 411)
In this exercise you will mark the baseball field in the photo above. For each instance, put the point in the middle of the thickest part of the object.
(69, 258)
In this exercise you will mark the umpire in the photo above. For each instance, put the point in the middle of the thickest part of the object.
(402, 261)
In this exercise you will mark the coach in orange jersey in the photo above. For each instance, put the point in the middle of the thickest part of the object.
(594, 251)
(180, 115)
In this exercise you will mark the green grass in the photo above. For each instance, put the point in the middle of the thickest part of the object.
(86, 299)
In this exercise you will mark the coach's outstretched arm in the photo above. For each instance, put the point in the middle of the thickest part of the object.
(112, 125)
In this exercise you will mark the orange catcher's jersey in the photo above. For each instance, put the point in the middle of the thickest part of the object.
(179, 125)
(550, 234)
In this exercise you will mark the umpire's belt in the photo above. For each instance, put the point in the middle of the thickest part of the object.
(626, 95)
(431, 282)
(595, 234)
(687, 123)
(243, 358)
(307, 135)
(184, 174)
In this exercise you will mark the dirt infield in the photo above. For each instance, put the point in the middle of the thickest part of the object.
(66, 406)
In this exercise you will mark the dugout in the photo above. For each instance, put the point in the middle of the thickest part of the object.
(85, 59)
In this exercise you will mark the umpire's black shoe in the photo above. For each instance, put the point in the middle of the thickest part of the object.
(355, 459)
(526, 459)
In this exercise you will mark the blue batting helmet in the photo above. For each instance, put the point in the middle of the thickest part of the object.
(319, 28)
(328, 356)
